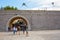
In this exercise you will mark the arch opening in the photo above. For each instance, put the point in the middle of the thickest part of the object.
(15, 20)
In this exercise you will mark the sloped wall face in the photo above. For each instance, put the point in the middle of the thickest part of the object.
(38, 20)
(46, 21)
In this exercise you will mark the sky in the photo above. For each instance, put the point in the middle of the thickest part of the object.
(31, 4)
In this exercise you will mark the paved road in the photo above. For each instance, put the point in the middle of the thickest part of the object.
(33, 35)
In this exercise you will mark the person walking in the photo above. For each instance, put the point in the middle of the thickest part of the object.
(14, 30)
(25, 29)
(19, 29)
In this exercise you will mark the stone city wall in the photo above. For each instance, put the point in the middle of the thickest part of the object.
(38, 19)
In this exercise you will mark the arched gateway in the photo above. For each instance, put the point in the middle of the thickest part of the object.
(14, 19)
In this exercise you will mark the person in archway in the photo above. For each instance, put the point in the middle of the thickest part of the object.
(25, 29)
(14, 29)
(18, 27)
(9, 28)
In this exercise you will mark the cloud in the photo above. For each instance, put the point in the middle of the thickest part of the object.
(44, 9)
(43, 4)
(46, 2)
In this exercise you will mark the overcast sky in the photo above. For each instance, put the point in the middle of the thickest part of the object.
(31, 4)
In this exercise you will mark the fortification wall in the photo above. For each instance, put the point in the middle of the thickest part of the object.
(38, 20)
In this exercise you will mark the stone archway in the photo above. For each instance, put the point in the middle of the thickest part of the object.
(15, 18)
